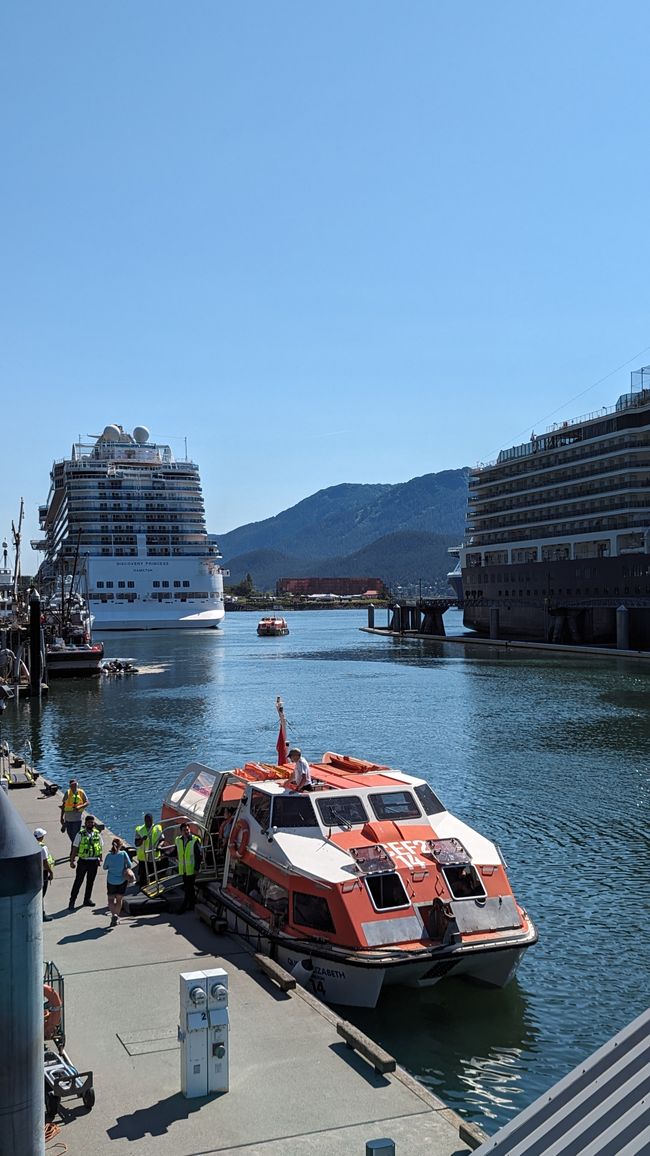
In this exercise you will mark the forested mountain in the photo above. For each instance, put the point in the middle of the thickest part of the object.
(399, 533)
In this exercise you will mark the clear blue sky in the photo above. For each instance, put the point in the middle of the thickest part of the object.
(326, 242)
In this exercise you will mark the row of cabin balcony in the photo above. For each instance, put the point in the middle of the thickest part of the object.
(559, 529)
(538, 483)
(614, 546)
(88, 543)
(524, 467)
(553, 513)
(553, 500)
(150, 552)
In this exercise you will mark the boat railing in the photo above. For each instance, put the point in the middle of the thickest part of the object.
(162, 874)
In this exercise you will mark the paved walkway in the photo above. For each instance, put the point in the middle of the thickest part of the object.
(295, 1087)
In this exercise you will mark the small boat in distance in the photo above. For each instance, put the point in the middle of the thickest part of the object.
(272, 627)
(365, 881)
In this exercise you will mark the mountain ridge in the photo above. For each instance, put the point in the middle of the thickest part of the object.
(398, 532)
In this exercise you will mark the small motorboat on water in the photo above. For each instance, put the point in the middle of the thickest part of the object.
(364, 882)
(272, 627)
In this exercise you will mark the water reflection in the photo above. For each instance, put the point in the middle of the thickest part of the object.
(468, 1045)
(547, 756)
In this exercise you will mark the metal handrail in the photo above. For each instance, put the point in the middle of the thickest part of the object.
(159, 878)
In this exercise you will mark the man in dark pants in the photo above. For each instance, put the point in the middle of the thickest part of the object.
(188, 850)
(89, 848)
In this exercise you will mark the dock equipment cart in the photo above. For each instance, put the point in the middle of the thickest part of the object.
(62, 1080)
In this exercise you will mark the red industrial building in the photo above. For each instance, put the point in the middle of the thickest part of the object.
(344, 587)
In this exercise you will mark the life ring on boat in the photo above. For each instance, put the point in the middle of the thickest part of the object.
(239, 839)
(52, 1008)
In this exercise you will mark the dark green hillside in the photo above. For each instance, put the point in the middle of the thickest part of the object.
(343, 519)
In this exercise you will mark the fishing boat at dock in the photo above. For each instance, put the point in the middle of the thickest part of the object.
(363, 882)
(67, 624)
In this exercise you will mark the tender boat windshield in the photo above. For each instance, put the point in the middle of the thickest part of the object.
(194, 797)
(293, 811)
(337, 811)
(394, 805)
(430, 802)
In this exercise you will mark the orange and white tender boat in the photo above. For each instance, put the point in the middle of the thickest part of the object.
(364, 882)
(272, 627)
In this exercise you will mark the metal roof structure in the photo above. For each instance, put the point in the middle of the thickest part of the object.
(602, 1108)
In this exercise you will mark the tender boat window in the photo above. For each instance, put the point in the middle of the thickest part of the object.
(293, 811)
(340, 811)
(261, 808)
(387, 891)
(312, 911)
(464, 882)
(394, 805)
(260, 888)
(430, 802)
(195, 799)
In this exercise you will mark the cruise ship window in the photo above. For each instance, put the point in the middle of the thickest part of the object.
(100, 585)
(165, 584)
(185, 583)
(122, 585)
(130, 585)
(109, 585)
(176, 583)
(156, 584)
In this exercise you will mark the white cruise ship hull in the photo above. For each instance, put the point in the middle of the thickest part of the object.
(151, 618)
(155, 593)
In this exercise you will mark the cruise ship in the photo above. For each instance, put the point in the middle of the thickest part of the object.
(129, 517)
(557, 544)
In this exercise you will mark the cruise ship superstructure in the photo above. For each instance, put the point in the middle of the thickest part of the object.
(558, 531)
(127, 514)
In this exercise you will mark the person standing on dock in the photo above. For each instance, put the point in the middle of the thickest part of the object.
(148, 840)
(118, 865)
(74, 803)
(301, 779)
(188, 850)
(88, 846)
(48, 873)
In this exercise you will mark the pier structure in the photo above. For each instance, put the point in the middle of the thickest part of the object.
(415, 616)
(302, 1080)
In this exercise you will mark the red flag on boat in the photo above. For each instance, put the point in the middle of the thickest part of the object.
(281, 745)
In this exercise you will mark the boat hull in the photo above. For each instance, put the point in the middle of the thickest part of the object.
(354, 981)
(200, 620)
(74, 661)
(555, 602)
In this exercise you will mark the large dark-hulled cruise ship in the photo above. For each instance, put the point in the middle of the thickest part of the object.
(558, 531)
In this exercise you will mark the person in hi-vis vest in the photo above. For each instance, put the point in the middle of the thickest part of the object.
(75, 801)
(188, 850)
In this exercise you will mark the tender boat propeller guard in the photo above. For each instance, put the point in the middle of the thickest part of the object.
(365, 882)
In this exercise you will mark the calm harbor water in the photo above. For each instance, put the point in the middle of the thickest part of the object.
(547, 755)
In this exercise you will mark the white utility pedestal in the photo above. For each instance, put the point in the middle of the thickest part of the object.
(218, 1030)
(203, 1032)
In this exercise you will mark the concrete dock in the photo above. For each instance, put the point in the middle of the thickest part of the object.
(295, 1086)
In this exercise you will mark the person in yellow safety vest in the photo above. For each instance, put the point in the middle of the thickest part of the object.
(74, 803)
(188, 850)
(89, 848)
(148, 840)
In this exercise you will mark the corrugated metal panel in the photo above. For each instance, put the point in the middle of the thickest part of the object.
(602, 1108)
